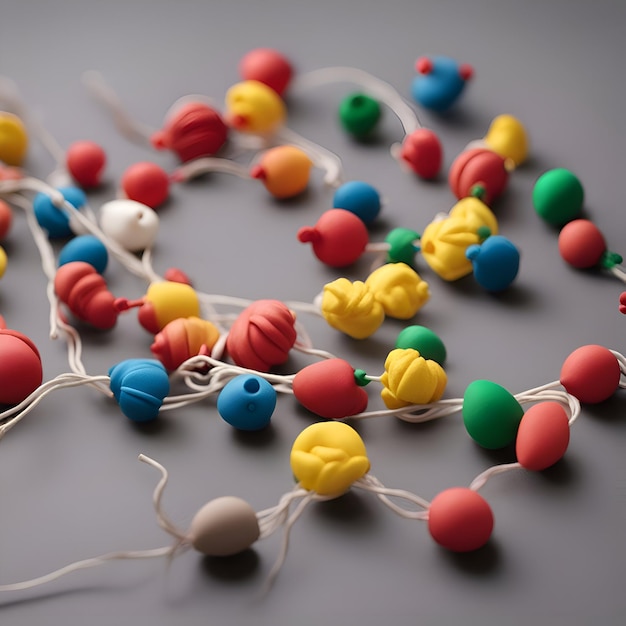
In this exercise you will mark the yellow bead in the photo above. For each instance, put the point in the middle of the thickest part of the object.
(172, 300)
(409, 378)
(13, 139)
(253, 107)
(475, 214)
(507, 137)
(399, 289)
(328, 457)
(351, 308)
(3, 261)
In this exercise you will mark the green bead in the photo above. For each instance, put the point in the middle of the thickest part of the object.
(359, 114)
(402, 248)
(424, 340)
(491, 414)
(558, 196)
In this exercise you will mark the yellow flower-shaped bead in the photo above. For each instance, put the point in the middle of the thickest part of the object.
(475, 214)
(328, 457)
(399, 289)
(409, 378)
(351, 308)
(507, 137)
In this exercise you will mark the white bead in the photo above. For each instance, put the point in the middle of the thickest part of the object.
(131, 224)
(223, 527)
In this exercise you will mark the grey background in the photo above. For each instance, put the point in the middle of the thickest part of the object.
(70, 484)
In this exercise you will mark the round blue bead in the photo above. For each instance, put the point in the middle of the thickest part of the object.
(358, 198)
(495, 262)
(87, 248)
(52, 219)
(247, 402)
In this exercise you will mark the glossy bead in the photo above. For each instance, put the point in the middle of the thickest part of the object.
(424, 340)
(338, 238)
(54, 220)
(133, 225)
(86, 248)
(359, 198)
(13, 139)
(543, 436)
(558, 196)
(460, 519)
(495, 263)
(253, 107)
(581, 244)
(139, 387)
(591, 373)
(327, 457)
(147, 183)
(85, 161)
(223, 527)
(192, 130)
(421, 150)
(440, 83)
(409, 378)
(491, 414)
(284, 170)
(267, 66)
(262, 335)
(359, 114)
(329, 389)
(21, 371)
(478, 172)
(247, 402)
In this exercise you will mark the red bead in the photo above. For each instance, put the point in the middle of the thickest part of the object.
(591, 373)
(85, 161)
(542, 436)
(338, 239)
(328, 389)
(268, 67)
(424, 65)
(478, 167)
(460, 519)
(581, 244)
(422, 151)
(147, 183)
(6, 219)
(20, 367)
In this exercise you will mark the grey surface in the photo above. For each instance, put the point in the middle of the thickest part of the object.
(70, 483)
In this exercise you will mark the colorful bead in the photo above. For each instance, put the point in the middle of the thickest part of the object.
(247, 402)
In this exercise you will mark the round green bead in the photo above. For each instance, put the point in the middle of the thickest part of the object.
(491, 414)
(402, 248)
(359, 114)
(424, 340)
(558, 196)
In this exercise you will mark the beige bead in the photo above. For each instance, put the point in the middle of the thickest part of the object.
(223, 527)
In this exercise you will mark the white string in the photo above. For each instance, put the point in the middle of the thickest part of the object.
(19, 411)
(371, 483)
(163, 521)
(618, 271)
(320, 156)
(378, 88)
(482, 478)
(104, 94)
(205, 165)
(99, 560)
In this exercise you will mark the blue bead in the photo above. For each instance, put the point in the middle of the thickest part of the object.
(52, 219)
(247, 402)
(139, 386)
(87, 248)
(441, 87)
(358, 198)
(495, 262)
